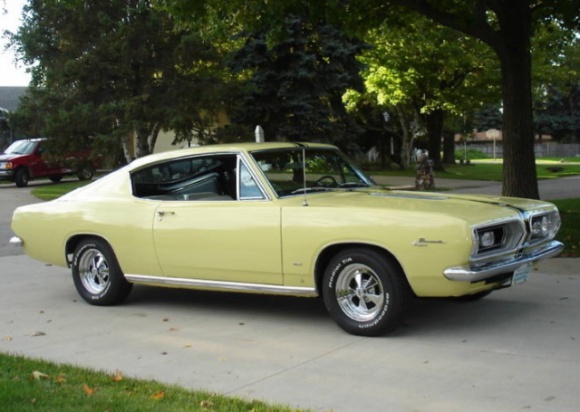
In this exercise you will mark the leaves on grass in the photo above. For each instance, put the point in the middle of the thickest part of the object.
(206, 404)
(118, 376)
(88, 390)
(159, 395)
(37, 375)
(61, 378)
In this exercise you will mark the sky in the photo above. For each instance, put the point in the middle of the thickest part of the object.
(11, 74)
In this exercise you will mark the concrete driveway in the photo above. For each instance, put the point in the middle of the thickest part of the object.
(518, 349)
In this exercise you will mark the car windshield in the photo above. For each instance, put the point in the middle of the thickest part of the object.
(21, 147)
(326, 169)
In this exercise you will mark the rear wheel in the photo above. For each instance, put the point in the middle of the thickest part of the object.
(85, 172)
(97, 275)
(21, 177)
(364, 292)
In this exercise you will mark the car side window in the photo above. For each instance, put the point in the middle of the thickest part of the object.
(249, 189)
(209, 178)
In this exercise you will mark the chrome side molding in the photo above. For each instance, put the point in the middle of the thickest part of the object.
(222, 286)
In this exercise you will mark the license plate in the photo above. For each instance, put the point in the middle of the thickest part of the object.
(521, 274)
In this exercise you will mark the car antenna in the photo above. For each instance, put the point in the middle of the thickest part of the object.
(304, 174)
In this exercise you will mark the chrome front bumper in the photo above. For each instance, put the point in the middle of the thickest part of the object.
(489, 270)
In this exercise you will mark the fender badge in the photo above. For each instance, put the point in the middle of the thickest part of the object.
(422, 242)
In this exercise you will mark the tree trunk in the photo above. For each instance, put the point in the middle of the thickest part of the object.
(434, 124)
(125, 142)
(449, 148)
(141, 133)
(519, 164)
(407, 139)
(152, 138)
(511, 42)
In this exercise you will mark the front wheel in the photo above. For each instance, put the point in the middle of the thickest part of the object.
(21, 177)
(97, 275)
(364, 292)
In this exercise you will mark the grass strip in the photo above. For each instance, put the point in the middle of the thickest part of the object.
(33, 385)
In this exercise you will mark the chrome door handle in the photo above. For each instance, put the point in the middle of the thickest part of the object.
(161, 213)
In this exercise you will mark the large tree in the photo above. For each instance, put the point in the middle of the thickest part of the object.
(295, 83)
(507, 26)
(119, 69)
(423, 71)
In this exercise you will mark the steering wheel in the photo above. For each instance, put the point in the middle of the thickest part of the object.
(326, 181)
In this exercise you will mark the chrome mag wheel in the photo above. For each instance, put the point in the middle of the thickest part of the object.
(359, 292)
(94, 271)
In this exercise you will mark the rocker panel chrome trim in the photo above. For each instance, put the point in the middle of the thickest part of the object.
(223, 286)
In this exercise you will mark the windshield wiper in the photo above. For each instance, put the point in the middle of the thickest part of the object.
(348, 185)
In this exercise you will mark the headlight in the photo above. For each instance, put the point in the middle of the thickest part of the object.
(545, 226)
(490, 238)
(487, 239)
(495, 239)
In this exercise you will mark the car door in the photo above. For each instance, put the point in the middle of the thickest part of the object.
(44, 163)
(234, 238)
(37, 165)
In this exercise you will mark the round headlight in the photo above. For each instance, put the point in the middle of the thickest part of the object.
(487, 239)
(541, 226)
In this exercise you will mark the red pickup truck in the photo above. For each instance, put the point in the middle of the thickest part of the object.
(27, 159)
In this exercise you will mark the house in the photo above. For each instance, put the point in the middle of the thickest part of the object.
(9, 99)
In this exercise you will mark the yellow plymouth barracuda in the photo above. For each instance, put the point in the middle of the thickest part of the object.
(289, 219)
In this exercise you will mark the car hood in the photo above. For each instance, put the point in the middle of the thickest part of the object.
(5, 157)
(471, 208)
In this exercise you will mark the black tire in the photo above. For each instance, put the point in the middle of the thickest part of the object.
(21, 177)
(85, 172)
(472, 298)
(364, 292)
(55, 178)
(97, 275)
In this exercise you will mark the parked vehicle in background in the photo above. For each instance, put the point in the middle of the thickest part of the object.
(30, 159)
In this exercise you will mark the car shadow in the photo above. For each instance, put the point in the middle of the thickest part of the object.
(248, 304)
(449, 316)
(425, 317)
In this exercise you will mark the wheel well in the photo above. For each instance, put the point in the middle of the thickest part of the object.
(328, 253)
(74, 241)
(22, 167)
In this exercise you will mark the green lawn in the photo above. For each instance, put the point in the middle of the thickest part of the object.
(488, 170)
(569, 233)
(50, 192)
(36, 385)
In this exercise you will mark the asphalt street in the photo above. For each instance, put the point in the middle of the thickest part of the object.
(518, 349)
